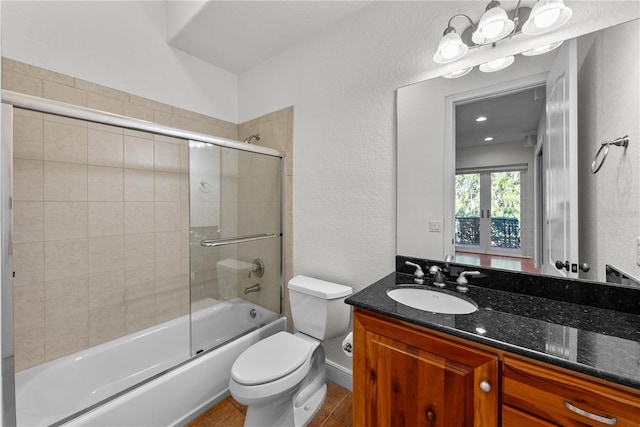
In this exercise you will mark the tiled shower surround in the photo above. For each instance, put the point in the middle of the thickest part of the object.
(101, 216)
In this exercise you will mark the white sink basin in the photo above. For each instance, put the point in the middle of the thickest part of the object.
(432, 300)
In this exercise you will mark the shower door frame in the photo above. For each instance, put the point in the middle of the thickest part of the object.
(11, 100)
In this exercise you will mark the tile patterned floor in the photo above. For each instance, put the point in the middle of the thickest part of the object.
(336, 411)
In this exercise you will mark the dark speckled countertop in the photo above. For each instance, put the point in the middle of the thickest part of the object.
(562, 328)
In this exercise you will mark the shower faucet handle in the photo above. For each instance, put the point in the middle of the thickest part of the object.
(418, 273)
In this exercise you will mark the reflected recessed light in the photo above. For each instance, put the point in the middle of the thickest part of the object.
(481, 330)
(481, 119)
(489, 138)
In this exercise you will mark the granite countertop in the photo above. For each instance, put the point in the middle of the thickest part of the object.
(596, 341)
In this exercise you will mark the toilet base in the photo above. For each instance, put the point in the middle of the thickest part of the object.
(304, 414)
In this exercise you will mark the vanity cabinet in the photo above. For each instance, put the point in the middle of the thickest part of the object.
(553, 398)
(404, 377)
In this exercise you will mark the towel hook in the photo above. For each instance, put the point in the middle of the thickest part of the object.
(599, 159)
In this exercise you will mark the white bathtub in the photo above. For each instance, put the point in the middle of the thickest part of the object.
(56, 390)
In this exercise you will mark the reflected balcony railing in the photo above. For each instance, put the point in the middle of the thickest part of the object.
(505, 232)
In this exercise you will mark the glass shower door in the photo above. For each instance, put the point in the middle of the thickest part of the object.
(235, 242)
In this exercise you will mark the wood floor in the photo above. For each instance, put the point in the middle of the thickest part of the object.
(336, 411)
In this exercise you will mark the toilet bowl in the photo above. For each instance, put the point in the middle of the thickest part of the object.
(282, 379)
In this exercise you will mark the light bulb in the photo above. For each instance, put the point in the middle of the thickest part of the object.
(493, 29)
(546, 18)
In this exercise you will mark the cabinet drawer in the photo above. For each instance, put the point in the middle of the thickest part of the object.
(565, 400)
(512, 417)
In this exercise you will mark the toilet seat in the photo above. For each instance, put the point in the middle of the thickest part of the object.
(271, 359)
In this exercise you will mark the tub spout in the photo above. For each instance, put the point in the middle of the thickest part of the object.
(254, 288)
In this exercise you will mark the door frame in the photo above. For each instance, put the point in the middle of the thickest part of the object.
(449, 165)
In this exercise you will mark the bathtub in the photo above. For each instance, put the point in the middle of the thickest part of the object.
(139, 380)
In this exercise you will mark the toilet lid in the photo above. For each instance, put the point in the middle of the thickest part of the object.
(270, 359)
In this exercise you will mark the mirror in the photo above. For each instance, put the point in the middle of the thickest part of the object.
(608, 107)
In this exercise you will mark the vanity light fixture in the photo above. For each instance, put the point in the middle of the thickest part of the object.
(496, 25)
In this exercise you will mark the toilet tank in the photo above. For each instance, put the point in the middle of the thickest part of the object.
(318, 308)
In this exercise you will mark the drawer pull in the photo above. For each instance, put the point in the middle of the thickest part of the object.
(605, 420)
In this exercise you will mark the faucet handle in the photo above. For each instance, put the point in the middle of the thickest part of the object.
(462, 280)
(418, 273)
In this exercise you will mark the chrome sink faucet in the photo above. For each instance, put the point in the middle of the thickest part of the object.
(438, 276)
(418, 273)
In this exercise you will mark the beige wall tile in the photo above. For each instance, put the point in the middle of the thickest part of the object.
(65, 182)
(28, 222)
(171, 304)
(105, 184)
(66, 335)
(28, 262)
(139, 282)
(27, 136)
(66, 297)
(138, 152)
(139, 185)
(167, 187)
(106, 288)
(106, 219)
(106, 323)
(65, 220)
(105, 103)
(28, 180)
(28, 346)
(139, 314)
(66, 258)
(97, 89)
(65, 142)
(168, 246)
(19, 82)
(105, 148)
(137, 111)
(63, 93)
(139, 250)
(106, 253)
(28, 305)
(139, 217)
(166, 157)
(168, 215)
(33, 71)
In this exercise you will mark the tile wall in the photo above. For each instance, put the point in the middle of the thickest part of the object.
(101, 214)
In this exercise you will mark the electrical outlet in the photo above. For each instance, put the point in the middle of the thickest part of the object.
(434, 226)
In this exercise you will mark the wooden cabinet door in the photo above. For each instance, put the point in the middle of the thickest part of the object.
(405, 377)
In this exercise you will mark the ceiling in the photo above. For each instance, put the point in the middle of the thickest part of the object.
(510, 118)
(238, 35)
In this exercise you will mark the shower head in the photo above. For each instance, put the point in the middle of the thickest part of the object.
(252, 137)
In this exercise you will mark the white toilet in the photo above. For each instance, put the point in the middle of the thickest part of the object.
(282, 378)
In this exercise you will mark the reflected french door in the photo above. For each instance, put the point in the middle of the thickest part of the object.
(488, 211)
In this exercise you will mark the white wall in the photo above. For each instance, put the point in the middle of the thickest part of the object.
(342, 85)
(119, 44)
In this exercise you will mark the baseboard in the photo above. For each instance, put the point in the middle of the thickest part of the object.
(339, 375)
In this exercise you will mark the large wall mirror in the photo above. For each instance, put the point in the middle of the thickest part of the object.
(496, 168)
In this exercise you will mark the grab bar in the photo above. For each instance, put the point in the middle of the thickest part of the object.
(211, 243)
